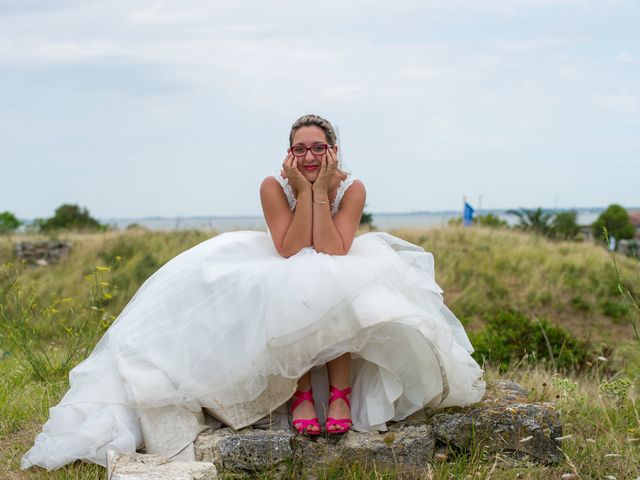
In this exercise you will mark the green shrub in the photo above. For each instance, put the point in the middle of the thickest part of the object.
(8, 222)
(537, 221)
(70, 217)
(565, 225)
(510, 335)
(490, 220)
(614, 309)
(616, 220)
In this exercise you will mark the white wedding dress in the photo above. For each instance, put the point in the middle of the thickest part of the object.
(229, 326)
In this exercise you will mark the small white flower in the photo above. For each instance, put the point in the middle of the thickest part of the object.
(602, 359)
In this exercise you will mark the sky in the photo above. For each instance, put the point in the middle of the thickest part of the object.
(178, 108)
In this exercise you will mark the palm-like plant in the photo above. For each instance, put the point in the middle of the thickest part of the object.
(534, 220)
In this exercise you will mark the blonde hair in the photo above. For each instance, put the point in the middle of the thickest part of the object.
(318, 121)
(327, 128)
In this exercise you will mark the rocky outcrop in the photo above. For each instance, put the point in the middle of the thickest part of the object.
(503, 422)
(42, 253)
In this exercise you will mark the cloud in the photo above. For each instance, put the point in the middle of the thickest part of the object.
(464, 83)
(627, 58)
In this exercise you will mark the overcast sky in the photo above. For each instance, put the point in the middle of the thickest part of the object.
(138, 108)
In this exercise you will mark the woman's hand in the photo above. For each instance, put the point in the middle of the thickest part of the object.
(327, 171)
(293, 174)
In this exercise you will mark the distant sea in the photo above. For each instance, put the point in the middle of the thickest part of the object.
(382, 221)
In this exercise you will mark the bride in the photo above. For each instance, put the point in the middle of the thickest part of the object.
(346, 332)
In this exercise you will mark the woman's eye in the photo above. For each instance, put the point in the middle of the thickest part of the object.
(318, 149)
(299, 150)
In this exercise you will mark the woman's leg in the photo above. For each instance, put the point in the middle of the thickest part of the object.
(339, 370)
(305, 410)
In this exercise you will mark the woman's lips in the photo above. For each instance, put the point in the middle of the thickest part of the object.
(310, 168)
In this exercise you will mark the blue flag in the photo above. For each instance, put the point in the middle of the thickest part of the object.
(467, 215)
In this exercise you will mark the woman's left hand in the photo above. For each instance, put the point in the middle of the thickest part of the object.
(328, 169)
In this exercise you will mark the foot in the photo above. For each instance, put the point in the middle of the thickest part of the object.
(339, 409)
(305, 412)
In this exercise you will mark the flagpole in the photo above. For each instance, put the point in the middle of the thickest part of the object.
(464, 202)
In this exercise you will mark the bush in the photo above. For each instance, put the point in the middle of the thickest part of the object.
(490, 220)
(70, 217)
(616, 220)
(8, 222)
(366, 219)
(510, 335)
(565, 225)
(537, 221)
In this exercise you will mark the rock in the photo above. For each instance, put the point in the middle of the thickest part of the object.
(251, 452)
(505, 391)
(138, 466)
(42, 253)
(503, 424)
(529, 428)
(406, 445)
(248, 452)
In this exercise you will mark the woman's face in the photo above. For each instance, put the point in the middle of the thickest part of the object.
(309, 165)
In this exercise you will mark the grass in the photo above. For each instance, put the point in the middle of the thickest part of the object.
(483, 272)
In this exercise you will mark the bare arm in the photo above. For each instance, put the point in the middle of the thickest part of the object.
(334, 235)
(290, 232)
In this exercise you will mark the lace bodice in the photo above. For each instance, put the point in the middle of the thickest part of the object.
(291, 199)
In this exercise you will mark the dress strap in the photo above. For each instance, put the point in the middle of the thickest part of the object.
(288, 191)
(344, 185)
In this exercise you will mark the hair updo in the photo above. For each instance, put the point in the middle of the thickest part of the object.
(318, 121)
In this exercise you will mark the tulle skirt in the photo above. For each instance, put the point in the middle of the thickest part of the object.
(229, 326)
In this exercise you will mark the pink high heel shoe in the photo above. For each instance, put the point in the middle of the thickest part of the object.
(341, 425)
(301, 424)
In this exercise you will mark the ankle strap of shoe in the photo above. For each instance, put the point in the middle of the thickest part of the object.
(336, 393)
(301, 397)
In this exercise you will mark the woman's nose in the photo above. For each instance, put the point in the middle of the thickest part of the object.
(309, 156)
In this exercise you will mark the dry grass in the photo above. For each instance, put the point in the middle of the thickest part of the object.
(574, 285)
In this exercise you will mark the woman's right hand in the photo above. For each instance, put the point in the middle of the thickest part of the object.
(293, 174)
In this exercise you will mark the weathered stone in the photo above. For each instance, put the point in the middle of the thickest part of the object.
(520, 427)
(249, 450)
(407, 445)
(156, 467)
(504, 391)
(42, 253)
(503, 422)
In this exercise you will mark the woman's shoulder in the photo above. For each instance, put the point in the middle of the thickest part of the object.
(355, 188)
(349, 181)
(351, 190)
(273, 179)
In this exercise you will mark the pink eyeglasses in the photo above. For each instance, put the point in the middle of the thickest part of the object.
(300, 150)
